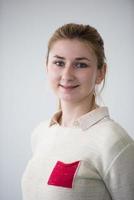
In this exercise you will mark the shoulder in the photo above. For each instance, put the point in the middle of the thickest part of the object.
(112, 132)
(111, 140)
(39, 132)
(41, 126)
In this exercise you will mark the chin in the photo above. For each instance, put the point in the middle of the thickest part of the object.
(70, 98)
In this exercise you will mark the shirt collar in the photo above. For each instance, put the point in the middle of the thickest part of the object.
(85, 121)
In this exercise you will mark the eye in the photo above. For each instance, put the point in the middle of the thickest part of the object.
(81, 65)
(59, 63)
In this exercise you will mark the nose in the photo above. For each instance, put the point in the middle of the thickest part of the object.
(68, 73)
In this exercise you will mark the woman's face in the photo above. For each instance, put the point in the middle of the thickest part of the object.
(72, 70)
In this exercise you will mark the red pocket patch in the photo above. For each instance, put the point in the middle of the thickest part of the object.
(63, 174)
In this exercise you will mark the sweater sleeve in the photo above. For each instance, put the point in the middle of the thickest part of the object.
(119, 179)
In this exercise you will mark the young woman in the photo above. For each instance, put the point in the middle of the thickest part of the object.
(80, 153)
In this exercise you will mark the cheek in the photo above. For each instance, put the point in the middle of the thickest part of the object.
(88, 80)
(53, 76)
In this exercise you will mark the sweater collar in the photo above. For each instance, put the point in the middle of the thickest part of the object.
(85, 121)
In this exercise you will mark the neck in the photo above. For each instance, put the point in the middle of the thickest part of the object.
(72, 111)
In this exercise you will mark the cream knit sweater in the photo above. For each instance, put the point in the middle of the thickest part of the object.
(93, 160)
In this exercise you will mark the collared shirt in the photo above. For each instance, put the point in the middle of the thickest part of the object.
(85, 121)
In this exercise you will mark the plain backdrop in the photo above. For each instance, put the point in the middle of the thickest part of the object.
(25, 97)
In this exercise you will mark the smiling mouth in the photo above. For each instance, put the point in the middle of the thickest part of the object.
(69, 87)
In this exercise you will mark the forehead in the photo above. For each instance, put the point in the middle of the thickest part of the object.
(72, 48)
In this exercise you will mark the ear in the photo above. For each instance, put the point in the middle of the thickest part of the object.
(101, 74)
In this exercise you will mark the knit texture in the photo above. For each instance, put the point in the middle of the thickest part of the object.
(72, 163)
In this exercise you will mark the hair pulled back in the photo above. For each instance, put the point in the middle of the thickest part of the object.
(84, 33)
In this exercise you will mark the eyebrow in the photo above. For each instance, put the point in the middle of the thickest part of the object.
(77, 58)
(56, 56)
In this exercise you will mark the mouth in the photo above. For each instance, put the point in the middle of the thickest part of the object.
(69, 86)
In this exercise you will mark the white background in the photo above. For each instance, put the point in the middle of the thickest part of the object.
(25, 99)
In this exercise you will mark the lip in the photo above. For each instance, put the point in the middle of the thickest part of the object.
(68, 86)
